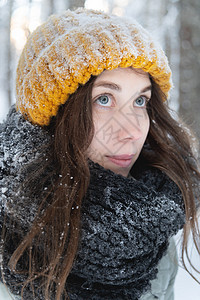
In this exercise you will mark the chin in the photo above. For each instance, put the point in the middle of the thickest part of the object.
(121, 171)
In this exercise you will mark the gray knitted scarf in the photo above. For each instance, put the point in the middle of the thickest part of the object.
(126, 222)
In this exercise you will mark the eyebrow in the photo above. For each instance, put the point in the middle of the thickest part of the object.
(110, 85)
(116, 87)
(146, 89)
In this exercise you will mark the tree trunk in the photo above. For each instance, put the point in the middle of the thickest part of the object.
(8, 74)
(190, 63)
(73, 4)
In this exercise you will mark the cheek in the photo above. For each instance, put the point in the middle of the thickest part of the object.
(94, 151)
(147, 121)
(144, 126)
(102, 127)
(147, 126)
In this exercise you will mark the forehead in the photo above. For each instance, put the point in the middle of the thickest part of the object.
(124, 76)
(124, 71)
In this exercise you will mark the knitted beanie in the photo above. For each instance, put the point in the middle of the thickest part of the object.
(68, 48)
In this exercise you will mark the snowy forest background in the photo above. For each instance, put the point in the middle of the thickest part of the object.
(174, 23)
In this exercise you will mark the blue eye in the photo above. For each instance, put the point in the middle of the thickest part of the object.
(141, 101)
(103, 100)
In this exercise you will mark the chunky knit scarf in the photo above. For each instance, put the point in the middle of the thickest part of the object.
(126, 222)
(126, 225)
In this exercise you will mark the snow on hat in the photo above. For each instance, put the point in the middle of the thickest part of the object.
(68, 48)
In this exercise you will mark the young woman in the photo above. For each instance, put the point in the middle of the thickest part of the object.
(96, 175)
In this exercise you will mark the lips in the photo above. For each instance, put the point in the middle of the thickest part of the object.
(124, 160)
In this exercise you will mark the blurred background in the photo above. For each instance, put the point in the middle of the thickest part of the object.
(175, 24)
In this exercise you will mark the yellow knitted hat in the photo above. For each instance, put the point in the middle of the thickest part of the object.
(68, 48)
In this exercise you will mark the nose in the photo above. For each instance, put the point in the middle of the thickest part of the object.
(129, 128)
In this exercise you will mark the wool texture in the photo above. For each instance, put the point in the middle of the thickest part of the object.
(67, 49)
(126, 222)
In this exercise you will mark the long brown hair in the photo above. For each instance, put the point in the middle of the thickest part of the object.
(52, 242)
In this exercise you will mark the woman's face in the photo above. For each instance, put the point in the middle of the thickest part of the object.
(121, 122)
